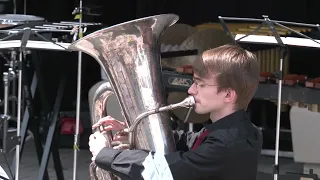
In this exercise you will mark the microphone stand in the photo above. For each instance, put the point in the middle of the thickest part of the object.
(76, 136)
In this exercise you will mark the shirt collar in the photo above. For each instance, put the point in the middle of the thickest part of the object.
(227, 121)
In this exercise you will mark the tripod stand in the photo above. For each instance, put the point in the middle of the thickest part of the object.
(283, 43)
(9, 82)
(7, 77)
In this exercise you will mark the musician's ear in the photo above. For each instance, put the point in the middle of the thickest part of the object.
(230, 95)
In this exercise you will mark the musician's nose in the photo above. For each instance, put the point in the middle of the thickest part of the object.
(192, 90)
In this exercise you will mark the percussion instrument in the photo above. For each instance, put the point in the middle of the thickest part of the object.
(272, 37)
(176, 34)
(44, 35)
(18, 35)
(10, 20)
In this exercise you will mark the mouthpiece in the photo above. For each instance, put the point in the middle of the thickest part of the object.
(188, 102)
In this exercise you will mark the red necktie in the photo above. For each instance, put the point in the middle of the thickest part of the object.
(200, 139)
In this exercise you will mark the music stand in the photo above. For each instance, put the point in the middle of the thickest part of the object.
(283, 42)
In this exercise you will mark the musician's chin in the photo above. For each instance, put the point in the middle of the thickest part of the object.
(198, 109)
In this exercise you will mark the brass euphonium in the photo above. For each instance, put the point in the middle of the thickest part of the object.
(129, 53)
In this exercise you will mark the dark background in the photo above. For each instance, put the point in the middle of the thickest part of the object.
(192, 12)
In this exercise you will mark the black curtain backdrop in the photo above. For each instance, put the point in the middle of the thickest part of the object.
(190, 11)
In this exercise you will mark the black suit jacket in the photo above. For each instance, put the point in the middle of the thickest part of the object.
(230, 151)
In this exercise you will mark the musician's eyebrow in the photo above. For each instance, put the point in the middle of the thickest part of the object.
(197, 79)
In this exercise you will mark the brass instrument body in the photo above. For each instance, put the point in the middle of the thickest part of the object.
(98, 97)
(129, 53)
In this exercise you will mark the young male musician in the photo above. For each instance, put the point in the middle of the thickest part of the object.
(225, 80)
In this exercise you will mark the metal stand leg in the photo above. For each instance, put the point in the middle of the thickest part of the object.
(45, 110)
(76, 136)
(13, 83)
(18, 117)
(5, 112)
(7, 77)
(56, 158)
(190, 128)
(29, 113)
(276, 160)
(52, 128)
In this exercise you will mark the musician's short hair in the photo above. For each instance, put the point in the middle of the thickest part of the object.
(234, 67)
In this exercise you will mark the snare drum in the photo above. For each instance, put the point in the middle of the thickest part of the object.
(9, 20)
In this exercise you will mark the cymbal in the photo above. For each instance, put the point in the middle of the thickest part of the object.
(202, 40)
(172, 39)
(176, 34)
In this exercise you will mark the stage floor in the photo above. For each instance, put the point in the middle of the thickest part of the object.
(29, 164)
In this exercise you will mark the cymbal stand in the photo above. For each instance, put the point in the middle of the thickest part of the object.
(8, 77)
(9, 80)
(5, 117)
(76, 136)
(26, 34)
(271, 24)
